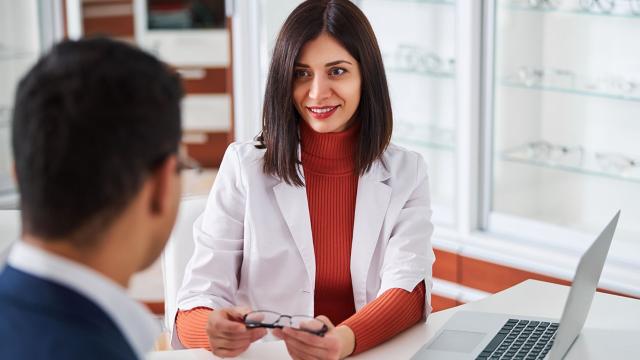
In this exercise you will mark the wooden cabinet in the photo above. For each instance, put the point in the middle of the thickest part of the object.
(483, 275)
(207, 114)
(439, 303)
(446, 266)
(113, 18)
(204, 80)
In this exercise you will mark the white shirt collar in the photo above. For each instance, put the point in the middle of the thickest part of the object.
(132, 318)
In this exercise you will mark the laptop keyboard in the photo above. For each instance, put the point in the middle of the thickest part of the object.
(521, 339)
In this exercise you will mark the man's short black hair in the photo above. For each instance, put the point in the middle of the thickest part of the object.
(91, 120)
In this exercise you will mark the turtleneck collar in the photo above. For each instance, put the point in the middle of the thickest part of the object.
(328, 153)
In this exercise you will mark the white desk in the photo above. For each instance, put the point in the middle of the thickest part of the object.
(529, 298)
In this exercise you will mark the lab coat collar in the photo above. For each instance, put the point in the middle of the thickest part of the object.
(372, 201)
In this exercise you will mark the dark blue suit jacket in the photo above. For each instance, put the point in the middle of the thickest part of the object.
(40, 319)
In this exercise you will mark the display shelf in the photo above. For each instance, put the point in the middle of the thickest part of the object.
(423, 143)
(585, 164)
(7, 187)
(431, 74)
(424, 135)
(5, 114)
(569, 11)
(635, 96)
(10, 54)
(432, 2)
(9, 200)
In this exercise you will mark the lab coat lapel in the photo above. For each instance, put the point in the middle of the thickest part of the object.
(292, 201)
(372, 202)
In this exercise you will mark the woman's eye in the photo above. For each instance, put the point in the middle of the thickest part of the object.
(300, 73)
(337, 71)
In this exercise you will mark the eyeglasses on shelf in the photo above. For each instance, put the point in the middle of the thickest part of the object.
(416, 59)
(616, 163)
(545, 151)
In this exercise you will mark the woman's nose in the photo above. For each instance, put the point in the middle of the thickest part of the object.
(320, 88)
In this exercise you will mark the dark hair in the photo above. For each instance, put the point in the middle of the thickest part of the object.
(91, 120)
(342, 20)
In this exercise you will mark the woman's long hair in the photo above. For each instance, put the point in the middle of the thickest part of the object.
(345, 22)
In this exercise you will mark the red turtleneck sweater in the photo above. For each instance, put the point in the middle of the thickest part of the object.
(327, 161)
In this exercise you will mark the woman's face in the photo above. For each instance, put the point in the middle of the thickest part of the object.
(326, 85)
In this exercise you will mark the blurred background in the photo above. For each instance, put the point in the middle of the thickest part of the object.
(526, 111)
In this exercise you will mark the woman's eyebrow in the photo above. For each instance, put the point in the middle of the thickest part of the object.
(337, 62)
(326, 65)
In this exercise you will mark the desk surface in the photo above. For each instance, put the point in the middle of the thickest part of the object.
(529, 298)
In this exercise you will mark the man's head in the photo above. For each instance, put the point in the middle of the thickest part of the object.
(96, 128)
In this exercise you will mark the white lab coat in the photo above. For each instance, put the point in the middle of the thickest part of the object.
(254, 247)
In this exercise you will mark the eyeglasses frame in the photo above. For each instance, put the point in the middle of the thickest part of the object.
(275, 325)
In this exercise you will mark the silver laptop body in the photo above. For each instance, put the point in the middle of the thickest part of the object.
(473, 335)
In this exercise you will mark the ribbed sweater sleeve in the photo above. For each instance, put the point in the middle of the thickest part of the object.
(191, 326)
(391, 313)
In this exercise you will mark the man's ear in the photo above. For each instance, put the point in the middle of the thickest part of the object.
(163, 181)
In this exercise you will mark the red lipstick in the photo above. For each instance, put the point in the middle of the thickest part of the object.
(321, 112)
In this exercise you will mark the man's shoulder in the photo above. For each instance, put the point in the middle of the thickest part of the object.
(45, 339)
(30, 332)
(39, 315)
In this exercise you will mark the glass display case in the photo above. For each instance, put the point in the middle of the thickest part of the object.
(527, 113)
(26, 28)
(565, 119)
(418, 45)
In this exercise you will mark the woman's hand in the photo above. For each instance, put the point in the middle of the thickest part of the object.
(337, 343)
(228, 336)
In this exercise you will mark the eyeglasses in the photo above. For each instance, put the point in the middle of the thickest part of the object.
(545, 151)
(615, 85)
(603, 6)
(534, 76)
(424, 132)
(616, 163)
(273, 320)
(531, 76)
(608, 6)
(413, 58)
(544, 4)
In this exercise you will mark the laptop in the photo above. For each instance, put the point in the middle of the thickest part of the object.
(478, 335)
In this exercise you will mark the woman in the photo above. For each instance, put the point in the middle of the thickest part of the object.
(320, 215)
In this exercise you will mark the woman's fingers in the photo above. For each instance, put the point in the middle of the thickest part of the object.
(257, 334)
(227, 321)
(228, 335)
(300, 352)
(229, 326)
(251, 335)
(237, 313)
(304, 338)
(309, 346)
(326, 321)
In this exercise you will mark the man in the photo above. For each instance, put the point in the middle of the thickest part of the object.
(96, 127)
